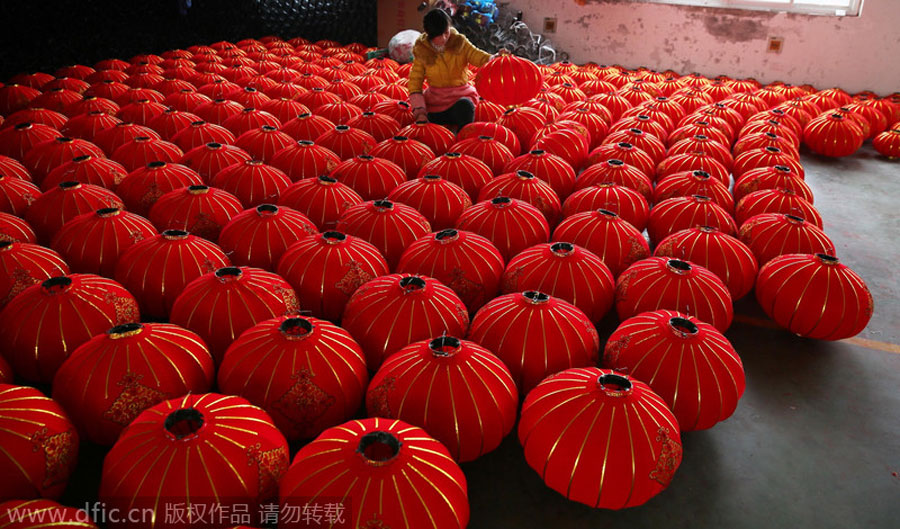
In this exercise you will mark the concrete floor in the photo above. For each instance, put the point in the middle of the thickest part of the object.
(815, 440)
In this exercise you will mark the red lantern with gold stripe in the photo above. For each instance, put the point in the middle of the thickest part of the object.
(676, 285)
(439, 200)
(373, 178)
(495, 130)
(657, 125)
(834, 135)
(566, 271)
(326, 269)
(702, 143)
(264, 142)
(602, 232)
(464, 261)
(13, 168)
(346, 142)
(143, 187)
(687, 362)
(252, 182)
(250, 118)
(307, 127)
(87, 169)
(815, 296)
(600, 438)
(510, 224)
(47, 156)
(720, 253)
(321, 199)
(422, 384)
(466, 171)
(87, 125)
(307, 373)
(351, 460)
(15, 229)
(211, 158)
(171, 122)
(568, 140)
(399, 110)
(19, 140)
(436, 137)
(15, 97)
(887, 143)
(232, 298)
(680, 213)
(772, 177)
(591, 118)
(390, 312)
(617, 172)
(409, 154)
(258, 236)
(199, 210)
(709, 126)
(508, 80)
(776, 201)
(380, 126)
(626, 153)
(389, 226)
(765, 157)
(242, 451)
(32, 514)
(157, 269)
(694, 183)
(17, 195)
(37, 343)
(772, 234)
(695, 161)
(40, 448)
(626, 202)
(645, 141)
(92, 242)
(548, 167)
(525, 186)
(523, 121)
(49, 212)
(142, 150)
(557, 335)
(116, 375)
(199, 133)
(305, 159)
(759, 140)
(23, 264)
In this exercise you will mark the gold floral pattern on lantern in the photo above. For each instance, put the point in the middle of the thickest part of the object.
(377, 399)
(353, 279)
(58, 452)
(271, 465)
(669, 457)
(134, 398)
(305, 402)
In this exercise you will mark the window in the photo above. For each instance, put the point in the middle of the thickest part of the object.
(810, 7)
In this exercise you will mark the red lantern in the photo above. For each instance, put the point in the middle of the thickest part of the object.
(373, 178)
(142, 150)
(626, 153)
(468, 172)
(548, 167)
(392, 311)
(772, 177)
(626, 202)
(232, 298)
(32, 514)
(645, 141)
(249, 119)
(765, 157)
(87, 169)
(494, 130)
(710, 126)
(321, 199)
(379, 126)
(419, 383)
(602, 232)
(510, 224)
(14, 97)
(525, 186)
(772, 234)
(676, 285)
(346, 142)
(635, 440)
(317, 97)
(776, 201)
(694, 183)
(410, 155)
(13, 168)
(48, 155)
(523, 121)
(466, 262)
(308, 374)
(114, 137)
(771, 127)
(142, 111)
(285, 108)
(14, 229)
(252, 182)
(258, 236)
(349, 461)
(815, 296)
(49, 212)
(389, 226)
(887, 143)
(435, 137)
(36, 341)
(657, 125)
(487, 111)
(687, 362)
(565, 271)
(157, 269)
(199, 133)
(616, 172)
(760, 140)
(23, 264)
(728, 258)
(557, 335)
(171, 122)
(110, 379)
(87, 126)
(680, 213)
(212, 157)
(199, 210)
(700, 143)
(592, 119)
(92, 242)
(833, 135)
(243, 453)
(186, 100)
(508, 80)
(305, 159)
(696, 161)
(40, 448)
(439, 200)
(143, 187)
(17, 195)
(263, 143)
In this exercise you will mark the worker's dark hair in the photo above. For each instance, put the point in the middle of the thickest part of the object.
(436, 22)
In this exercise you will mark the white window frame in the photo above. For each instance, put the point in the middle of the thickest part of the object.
(853, 7)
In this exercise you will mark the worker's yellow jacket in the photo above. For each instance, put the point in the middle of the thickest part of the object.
(446, 68)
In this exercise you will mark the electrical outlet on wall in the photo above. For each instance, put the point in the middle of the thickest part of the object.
(549, 25)
(775, 45)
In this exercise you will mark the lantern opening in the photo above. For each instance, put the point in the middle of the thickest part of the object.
(678, 266)
(683, 327)
(701, 174)
(412, 284)
(614, 162)
(5, 244)
(156, 164)
(607, 213)
(82, 158)
(707, 229)
(366, 157)
(334, 237)
(183, 423)
(501, 201)
(625, 145)
(229, 272)
(327, 179)
(536, 297)
(198, 190)
(782, 169)
(446, 235)
(827, 259)
(537, 152)
(383, 204)
(562, 249)
(431, 177)
(794, 219)
(107, 212)
(378, 448)
(400, 138)
(55, 285)
(445, 346)
(614, 385)
(267, 209)
(214, 145)
(295, 328)
(125, 330)
(69, 185)
(174, 235)
(701, 198)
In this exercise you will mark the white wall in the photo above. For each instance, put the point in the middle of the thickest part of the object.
(853, 53)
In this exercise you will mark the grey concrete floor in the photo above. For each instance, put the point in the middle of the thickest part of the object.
(815, 440)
